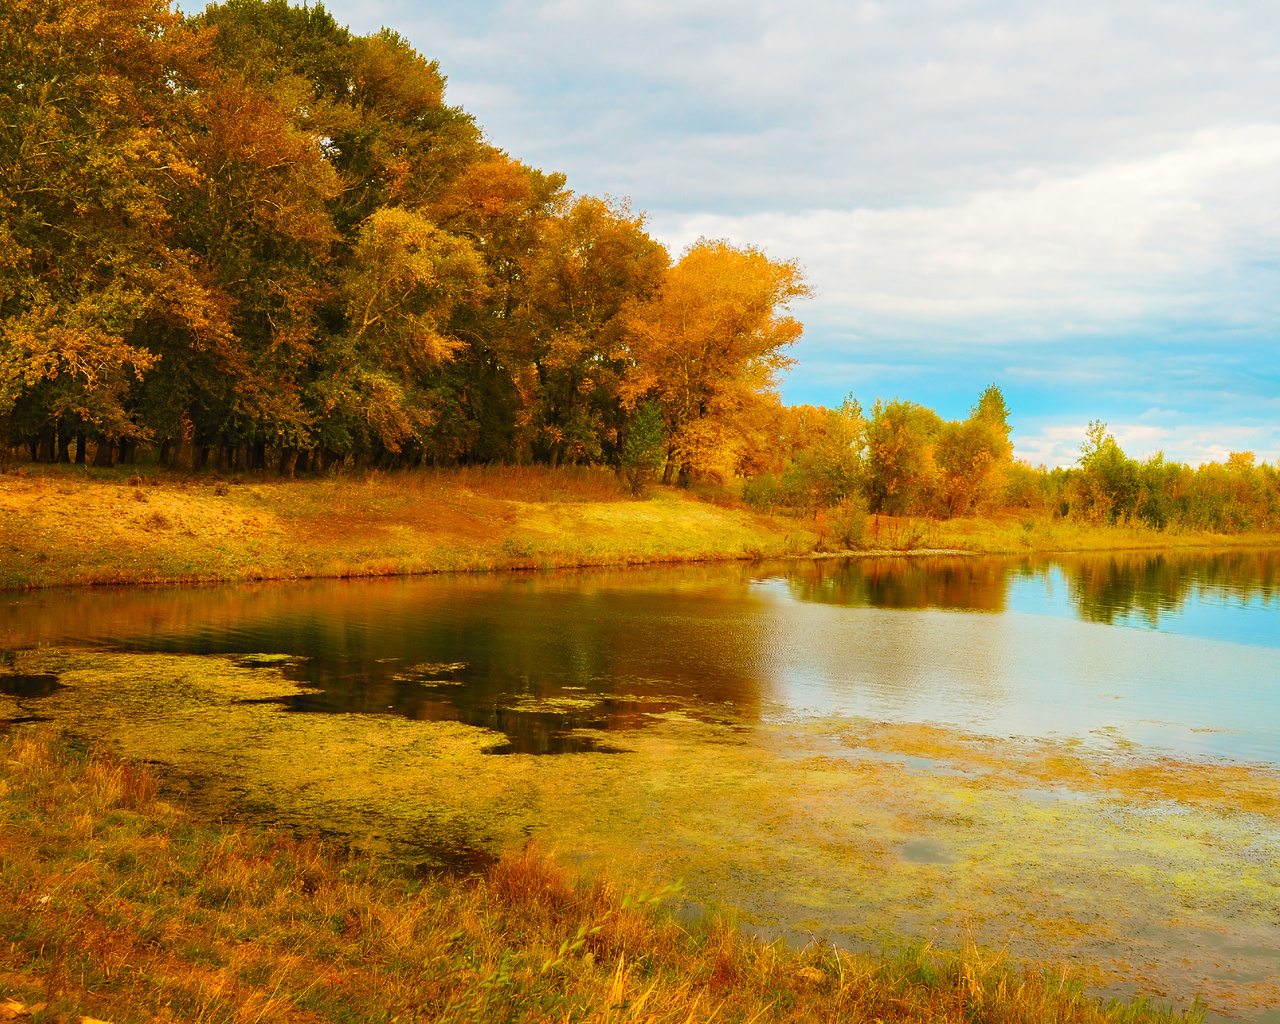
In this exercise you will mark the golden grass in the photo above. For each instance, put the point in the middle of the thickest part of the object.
(1014, 533)
(74, 526)
(116, 905)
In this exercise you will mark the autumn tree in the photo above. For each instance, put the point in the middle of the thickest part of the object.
(708, 347)
(900, 438)
(93, 103)
(405, 281)
(592, 259)
(829, 467)
(973, 455)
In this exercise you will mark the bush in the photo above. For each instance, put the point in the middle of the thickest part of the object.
(849, 521)
(762, 493)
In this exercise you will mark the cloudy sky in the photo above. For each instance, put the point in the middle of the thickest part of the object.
(1079, 201)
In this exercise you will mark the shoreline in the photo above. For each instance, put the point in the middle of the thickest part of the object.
(71, 528)
(173, 917)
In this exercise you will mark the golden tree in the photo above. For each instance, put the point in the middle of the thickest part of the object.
(708, 347)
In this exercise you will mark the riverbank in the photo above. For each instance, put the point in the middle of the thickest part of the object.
(1147, 872)
(77, 527)
(116, 904)
(63, 526)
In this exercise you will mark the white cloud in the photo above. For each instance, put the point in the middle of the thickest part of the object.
(1111, 245)
(1076, 198)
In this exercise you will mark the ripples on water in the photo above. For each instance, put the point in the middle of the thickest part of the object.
(1177, 651)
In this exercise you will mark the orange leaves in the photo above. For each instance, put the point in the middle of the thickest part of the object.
(709, 344)
(259, 167)
(496, 187)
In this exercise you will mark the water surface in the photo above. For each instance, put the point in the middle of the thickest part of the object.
(1071, 757)
(1175, 652)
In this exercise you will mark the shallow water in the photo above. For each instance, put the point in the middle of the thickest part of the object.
(1073, 757)
(1178, 653)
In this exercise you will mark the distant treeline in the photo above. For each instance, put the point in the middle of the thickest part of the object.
(903, 459)
(249, 235)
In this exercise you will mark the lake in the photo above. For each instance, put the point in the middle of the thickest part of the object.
(1073, 757)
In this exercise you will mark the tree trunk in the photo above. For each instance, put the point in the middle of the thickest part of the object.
(304, 461)
(184, 455)
(33, 443)
(48, 438)
(259, 455)
(238, 461)
(64, 442)
(668, 471)
(184, 446)
(102, 457)
(128, 451)
(80, 444)
(288, 461)
(6, 435)
(222, 455)
(204, 456)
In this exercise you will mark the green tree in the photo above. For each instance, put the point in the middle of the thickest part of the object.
(901, 474)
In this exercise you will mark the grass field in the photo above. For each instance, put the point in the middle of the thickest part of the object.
(118, 906)
(76, 526)
(63, 525)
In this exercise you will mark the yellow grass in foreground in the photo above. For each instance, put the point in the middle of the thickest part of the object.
(118, 906)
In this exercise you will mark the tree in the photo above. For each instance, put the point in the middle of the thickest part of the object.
(828, 470)
(974, 455)
(591, 260)
(708, 346)
(407, 278)
(900, 467)
(643, 446)
(93, 102)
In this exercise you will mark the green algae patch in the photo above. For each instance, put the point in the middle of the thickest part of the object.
(1124, 865)
(117, 904)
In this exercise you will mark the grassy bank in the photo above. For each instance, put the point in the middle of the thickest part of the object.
(76, 526)
(1013, 533)
(119, 906)
(83, 526)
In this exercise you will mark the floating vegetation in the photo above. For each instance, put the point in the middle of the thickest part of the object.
(266, 660)
(1154, 875)
(430, 672)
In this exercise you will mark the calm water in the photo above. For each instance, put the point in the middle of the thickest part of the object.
(1176, 652)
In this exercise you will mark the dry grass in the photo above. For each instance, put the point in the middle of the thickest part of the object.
(68, 525)
(1012, 533)
(119, 906)
(71, 525)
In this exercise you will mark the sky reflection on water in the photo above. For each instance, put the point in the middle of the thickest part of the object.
(1173, 651)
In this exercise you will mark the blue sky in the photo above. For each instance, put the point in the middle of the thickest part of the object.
(1079, 201)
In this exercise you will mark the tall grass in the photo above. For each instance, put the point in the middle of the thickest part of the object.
(119, 906)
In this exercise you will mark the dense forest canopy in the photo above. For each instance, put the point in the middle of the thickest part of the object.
(250, 228)
(249, 235)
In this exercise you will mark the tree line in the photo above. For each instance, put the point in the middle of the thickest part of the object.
(250, 235)
(900, 458)
(248, 239)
